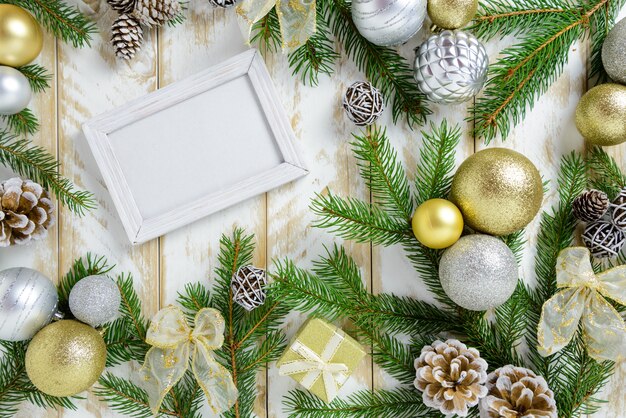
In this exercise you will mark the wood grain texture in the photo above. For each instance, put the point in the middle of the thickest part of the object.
(88, 82)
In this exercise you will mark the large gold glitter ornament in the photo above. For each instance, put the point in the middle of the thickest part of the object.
(437, 223)
(65, 358)
(498, 191)
(452, 14)
(21, 38)
(601, 115)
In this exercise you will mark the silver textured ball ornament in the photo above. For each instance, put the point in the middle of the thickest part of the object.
(388, 22)
(614, 52)
(363, 103)
(95, 300)
(451, 67)
(28, 302)
(15, 91)
(248, 287)
(479, 272)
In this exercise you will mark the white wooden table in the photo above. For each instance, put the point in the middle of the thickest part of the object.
(89, 81)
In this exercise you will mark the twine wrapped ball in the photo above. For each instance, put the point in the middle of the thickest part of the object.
(363, 103)
(619, 209)
(603, 239)
(248, 287)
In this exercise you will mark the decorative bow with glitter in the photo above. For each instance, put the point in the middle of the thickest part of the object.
(582, 298)
(173, 343)
(296, 19)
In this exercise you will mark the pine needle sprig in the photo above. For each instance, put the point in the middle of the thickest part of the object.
(125, 397)
(22, 124)
(605, 173)
(266, 32)
(38, 77)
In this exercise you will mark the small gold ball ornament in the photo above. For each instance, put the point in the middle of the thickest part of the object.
(437, 223)
(21, 38)
(65, 358)
(498, 191)
(601, 115)
(452, 14)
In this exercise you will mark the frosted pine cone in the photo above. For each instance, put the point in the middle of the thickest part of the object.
(127, 36)
(590, 206)
(516, 392)
(122, 6)
(26, 212)
(155, 12)
(451, 377)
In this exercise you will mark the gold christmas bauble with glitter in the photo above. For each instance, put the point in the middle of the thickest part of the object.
(452, 14)
(21, 38)
(437, 223)
(498, 191)
(65, 358)
(601, 115)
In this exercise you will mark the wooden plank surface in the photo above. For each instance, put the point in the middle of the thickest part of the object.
(90, 81)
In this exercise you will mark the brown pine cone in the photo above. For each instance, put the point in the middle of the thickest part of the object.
(26, 212)
(451, 377)
(127, 36)
(619, 209)
(155, 12)
(122, 6)
(590, 205)
(516, 392)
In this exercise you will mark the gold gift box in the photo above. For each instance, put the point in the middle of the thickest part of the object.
(315, 334)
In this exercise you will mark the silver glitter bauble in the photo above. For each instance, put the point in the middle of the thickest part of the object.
(451, 67)
(95, 300)
(614, 52)
(478, 272)
(15, 91)
(388, 22)
(28, 301)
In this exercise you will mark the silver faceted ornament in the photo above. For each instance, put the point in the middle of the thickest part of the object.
(28, 301)
(478, 272)
(614, 52)
(451, 67)
(388, 22)
(15, 92)
(95, 300)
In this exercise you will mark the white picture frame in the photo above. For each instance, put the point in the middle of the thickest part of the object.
(195, 147)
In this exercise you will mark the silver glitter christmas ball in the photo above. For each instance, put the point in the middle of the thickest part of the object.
(614, 52)
(15, 92)
(28, 301)
(95, 300)
(478, 272)
(451, 67)
(388, 22)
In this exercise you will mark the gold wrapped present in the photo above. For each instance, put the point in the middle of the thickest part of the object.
(321, 358)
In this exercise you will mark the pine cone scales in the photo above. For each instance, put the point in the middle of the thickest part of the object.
(122, 6)
(516, 392)
(127, 36)
(590, 205)
(451, 376)
(155, 12)
(26, 212)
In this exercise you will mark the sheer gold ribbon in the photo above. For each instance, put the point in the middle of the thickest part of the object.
(296, 19)
(582, 298)
(173, 342)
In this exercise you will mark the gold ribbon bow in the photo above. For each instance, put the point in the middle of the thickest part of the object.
(296, 19)
(315, 366)
(167, 361)
(583, 298)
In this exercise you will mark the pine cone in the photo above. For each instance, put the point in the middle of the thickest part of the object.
(248, 287)
(619, 209)
(590, 205)
(603, 239)
(127, 36)
(451, 377)
(26, 212)
(155, 12)
(516, 392)
(122, 6)
(223, 3)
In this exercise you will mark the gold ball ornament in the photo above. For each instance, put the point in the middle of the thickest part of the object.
(21, 38)
(65, 358)
(498, 191)
(437, 223)
(452, 14)
(601, 115)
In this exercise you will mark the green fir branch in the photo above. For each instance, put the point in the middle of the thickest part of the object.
(22, 124)
(266, 32)
(605, 173)
(38, 77)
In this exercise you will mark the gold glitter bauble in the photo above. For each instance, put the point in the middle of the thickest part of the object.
(601, 115)
(21, 38)
(452, 14)
(498, 190)
(437, 223)
(65, 358)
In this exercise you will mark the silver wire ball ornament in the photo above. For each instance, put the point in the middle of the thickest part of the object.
(614, 52)
(478, 272)
(248, 287)
(95, 300)
(451, 67)
(15, 91)
(603, 239)
(28, 301)
(363, 103)
(388, 22)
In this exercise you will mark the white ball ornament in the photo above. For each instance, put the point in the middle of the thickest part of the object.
(388, 22)
(95, 300)
(15, 91)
